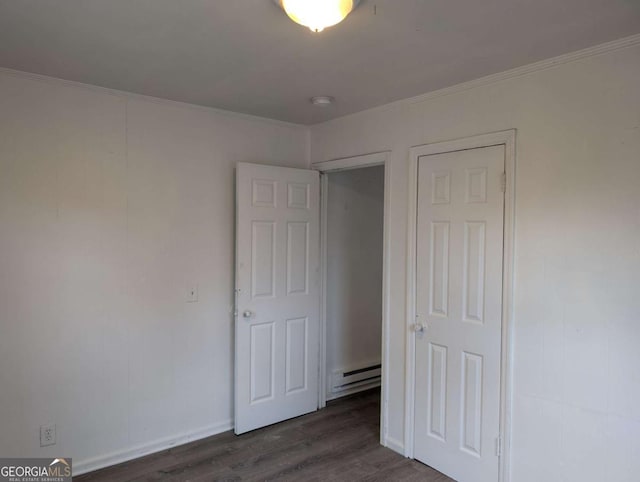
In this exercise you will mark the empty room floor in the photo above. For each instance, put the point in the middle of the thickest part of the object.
(340, 442)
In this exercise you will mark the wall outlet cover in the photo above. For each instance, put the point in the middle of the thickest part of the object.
(47, 435)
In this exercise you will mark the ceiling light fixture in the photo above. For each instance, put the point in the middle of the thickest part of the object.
(317, 14)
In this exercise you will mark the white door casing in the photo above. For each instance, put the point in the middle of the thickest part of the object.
(277, 294)
(459, 253)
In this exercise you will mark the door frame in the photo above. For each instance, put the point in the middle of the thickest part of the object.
(344, 164)
(506, 138)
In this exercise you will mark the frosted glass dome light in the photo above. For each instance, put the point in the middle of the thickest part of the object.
(317, 14)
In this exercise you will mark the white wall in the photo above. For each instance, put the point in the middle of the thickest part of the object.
(111, 206)
(355, 215)
(577, 309)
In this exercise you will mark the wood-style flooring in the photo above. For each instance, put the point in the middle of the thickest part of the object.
(338, 443)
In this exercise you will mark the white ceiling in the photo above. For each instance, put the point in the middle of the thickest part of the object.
(247, 56)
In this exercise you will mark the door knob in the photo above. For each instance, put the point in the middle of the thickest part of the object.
(419, 328)
(247, 313)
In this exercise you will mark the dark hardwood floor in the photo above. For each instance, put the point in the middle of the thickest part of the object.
(338, 443)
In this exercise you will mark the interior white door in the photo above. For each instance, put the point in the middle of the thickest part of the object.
(459, 305)
(277, 294)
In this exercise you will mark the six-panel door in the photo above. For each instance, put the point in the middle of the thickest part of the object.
(459, 300)
(277, 294)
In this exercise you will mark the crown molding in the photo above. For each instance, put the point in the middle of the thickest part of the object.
(535, 67)
(542, 65)
(146, 98)
(531, 68)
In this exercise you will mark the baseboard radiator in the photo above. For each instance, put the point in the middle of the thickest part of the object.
(352, 380)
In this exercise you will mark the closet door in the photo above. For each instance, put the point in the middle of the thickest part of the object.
(459, 308)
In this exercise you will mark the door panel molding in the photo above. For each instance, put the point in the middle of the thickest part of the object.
(506, 138)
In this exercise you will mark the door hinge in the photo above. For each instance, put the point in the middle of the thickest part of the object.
(498, 446)
(503, 182)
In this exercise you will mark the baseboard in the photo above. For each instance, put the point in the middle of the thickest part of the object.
(107, 460)
(394, 445)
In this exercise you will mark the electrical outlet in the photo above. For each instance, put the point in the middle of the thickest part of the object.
(47, 435)
(192, 293)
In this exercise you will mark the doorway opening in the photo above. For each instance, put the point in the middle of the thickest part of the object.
(354, 246)
(284, 245)
(353, 297)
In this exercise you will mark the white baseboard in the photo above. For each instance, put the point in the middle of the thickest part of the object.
(394, 445)
(102, 461)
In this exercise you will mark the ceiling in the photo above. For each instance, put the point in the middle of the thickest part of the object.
(247, 56)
